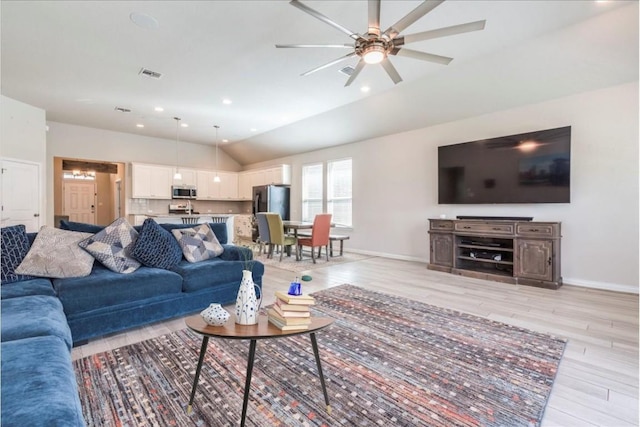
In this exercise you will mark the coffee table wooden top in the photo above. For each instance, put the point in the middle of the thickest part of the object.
(262, 330)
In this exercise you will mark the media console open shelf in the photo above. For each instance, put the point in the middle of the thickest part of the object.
(518, 252)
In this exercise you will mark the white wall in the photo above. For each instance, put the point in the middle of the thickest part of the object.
(395, 184)
(23, 137)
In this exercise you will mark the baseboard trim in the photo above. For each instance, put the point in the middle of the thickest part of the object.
(615, 287)
(592, 284)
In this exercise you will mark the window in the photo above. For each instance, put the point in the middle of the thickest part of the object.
(339, 191)
(312, 199)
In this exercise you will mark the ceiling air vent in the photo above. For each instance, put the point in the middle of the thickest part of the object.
(122, 109)
(150, 73)
(347, 71)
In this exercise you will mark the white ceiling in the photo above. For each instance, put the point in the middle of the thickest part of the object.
(78, 60)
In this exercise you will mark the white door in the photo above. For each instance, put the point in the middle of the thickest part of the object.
(20, 194)
(80, 201)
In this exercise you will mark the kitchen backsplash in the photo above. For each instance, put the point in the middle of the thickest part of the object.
(145, 206)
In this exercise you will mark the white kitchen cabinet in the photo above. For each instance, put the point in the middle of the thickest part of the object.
(226, 189)
(189, 177)
(244, 186)
(151, 181)
(278, 175)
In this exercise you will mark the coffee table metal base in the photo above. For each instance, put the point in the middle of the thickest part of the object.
(247, 383)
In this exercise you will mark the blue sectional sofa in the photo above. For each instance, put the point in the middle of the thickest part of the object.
(43, 318)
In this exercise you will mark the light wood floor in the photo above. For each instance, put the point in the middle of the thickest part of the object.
(597, 383)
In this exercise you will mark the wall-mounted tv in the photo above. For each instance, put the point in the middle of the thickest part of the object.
(531, 167)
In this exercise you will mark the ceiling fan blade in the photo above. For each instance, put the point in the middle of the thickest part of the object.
(328, 64)
(323, 18)
(340, 46)
(391, 70)
(422, 56)
(417, 13)
(440, 32)
(374, 17)
(355, 73)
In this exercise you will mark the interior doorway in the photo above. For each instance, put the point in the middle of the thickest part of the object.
(108, 179)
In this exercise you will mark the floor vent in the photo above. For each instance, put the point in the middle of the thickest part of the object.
(150, 73)
(347, 71)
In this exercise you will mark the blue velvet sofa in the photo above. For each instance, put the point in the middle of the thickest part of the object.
(43, 318)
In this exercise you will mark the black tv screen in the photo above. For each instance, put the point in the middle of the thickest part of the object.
(531, 167)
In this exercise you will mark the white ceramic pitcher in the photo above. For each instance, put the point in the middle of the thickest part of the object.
(247, 303)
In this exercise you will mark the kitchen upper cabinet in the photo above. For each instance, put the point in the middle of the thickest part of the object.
(151, 181)
(226, 189)
(278, 175)
(189, 177)
(244, 186)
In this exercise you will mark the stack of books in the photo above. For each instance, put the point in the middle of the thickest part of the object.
(291, 312)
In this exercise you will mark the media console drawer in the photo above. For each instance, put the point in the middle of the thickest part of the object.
(484, 228)
(538, 229)
(441, 224)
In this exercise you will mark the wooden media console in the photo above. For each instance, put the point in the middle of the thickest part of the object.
(516, 252)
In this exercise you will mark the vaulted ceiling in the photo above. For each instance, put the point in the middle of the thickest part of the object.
(79, 60)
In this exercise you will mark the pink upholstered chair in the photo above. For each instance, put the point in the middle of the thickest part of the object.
(319, 236)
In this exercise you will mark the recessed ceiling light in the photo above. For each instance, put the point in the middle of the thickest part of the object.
(184, 125)
(253, 130)
(143, 20)
(365, 89)
(139, 125)
(227, 101)
(159, 109)
(225, 140)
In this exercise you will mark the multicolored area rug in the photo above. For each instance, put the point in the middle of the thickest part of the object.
(388, 361)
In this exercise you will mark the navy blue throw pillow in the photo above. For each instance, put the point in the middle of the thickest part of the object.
(80, 226)
(156, 247)
(15, 245)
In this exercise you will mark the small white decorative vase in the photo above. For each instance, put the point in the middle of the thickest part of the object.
(247, 303)
(215, 315)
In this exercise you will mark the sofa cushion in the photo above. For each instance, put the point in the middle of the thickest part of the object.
(80, 226)
(212, 272)
(104, 288)
(218, 228)
(34, 316)
(39, 384)
(35, 286)
(15, 246)
(198, 243)
(156, 247)
(112, 246)
(55, 253)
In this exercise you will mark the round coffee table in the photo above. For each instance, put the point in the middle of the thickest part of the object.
(261, 331)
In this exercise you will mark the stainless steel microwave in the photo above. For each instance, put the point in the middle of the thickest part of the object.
(183, 192)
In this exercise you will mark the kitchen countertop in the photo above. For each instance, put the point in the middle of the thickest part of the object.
(177, 215)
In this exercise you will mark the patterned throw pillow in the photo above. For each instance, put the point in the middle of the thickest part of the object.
(15, 246)
(198, 243)
(156, 247)
(112, 246)
(55, 253)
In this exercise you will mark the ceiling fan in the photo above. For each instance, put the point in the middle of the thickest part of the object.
(375, 46)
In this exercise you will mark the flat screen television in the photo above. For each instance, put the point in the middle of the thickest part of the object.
(531, 167)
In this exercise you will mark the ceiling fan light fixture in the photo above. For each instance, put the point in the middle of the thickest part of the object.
(374, 54)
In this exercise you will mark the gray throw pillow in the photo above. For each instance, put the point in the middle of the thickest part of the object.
(55, 253)
(112, 246)
(198, 243)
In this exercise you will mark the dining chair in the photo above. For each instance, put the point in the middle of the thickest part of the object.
(264, 238)
(319, 236)
(277, 236)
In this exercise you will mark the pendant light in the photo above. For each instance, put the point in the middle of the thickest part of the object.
(216, 178)
(177, 176)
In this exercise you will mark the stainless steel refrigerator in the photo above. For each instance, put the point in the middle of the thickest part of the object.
(272, 198)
